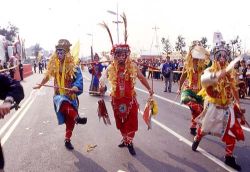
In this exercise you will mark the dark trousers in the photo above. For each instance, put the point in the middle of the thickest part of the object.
(150, 74)
(40, 70)
(21, 74)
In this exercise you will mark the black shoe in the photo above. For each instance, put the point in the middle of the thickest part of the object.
(195, 145)
(230, 161)
(122, 145)
(131, 149)
(80, 120)
(193, 131)
(165, 91)
(68, 145)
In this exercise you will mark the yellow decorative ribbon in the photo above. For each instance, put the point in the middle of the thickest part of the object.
(60, 83)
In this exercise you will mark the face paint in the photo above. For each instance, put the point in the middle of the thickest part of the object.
(121, 57)
(221, 54)
(60, 54)
(221, 57)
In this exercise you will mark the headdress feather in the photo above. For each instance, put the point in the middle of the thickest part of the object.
(107, 28)
(125, 29)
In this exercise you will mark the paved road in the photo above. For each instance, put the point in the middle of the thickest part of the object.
(33, 141)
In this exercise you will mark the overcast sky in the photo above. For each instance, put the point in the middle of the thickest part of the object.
(46, 21)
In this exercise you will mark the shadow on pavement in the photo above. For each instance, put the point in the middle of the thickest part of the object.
(152, 164)
(186, 162)
(130, 166)
(86, 164)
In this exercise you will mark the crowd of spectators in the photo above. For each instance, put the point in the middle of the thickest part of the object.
(162, 69)
(169, 70)
(243, 70)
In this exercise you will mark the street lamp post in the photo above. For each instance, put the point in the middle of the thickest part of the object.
(116, 22)
(91, 47)
(90, 34)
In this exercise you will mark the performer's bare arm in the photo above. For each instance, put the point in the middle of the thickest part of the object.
(209, 78)
(144, 81)
(182, 79)
(44, 81)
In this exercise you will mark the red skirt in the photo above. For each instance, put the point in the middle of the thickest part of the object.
(125, 113)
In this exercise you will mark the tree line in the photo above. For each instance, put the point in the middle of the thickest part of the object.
(233, 45)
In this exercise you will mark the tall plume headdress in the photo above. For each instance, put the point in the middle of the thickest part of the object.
(124, 18)
(122, 47)
(103, 24)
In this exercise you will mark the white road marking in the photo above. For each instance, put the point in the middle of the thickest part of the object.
(245, 128)
(6, 125)
(176, 103)
(189, 143)
(183, 139)
(163, 98)
(8, 133)
(170, 101)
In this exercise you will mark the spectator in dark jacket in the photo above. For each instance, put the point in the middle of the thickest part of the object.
(11, 92)
(21, 69)
(167, 72)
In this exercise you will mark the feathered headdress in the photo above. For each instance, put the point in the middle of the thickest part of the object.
(124, 18)
(118, 48)
(103, 24)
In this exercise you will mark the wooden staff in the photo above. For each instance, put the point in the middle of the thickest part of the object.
(4, 70)
(96, 62)
(68, 89)
(154, 68)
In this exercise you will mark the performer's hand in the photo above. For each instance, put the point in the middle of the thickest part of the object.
(237, 103)
(178, 91)
(151, 92)
(4, 109)
(101, 89)
(243, 118)
(75, 89)
(38, 86)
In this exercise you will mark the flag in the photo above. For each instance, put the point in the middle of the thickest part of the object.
(75, 51)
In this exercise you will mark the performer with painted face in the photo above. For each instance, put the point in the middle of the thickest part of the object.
(95, 69)
(122, 74)
(68, 83)
(221, 104)
(190, 83)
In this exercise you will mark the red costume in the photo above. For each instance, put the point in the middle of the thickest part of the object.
(122, 73)
(125, 107)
